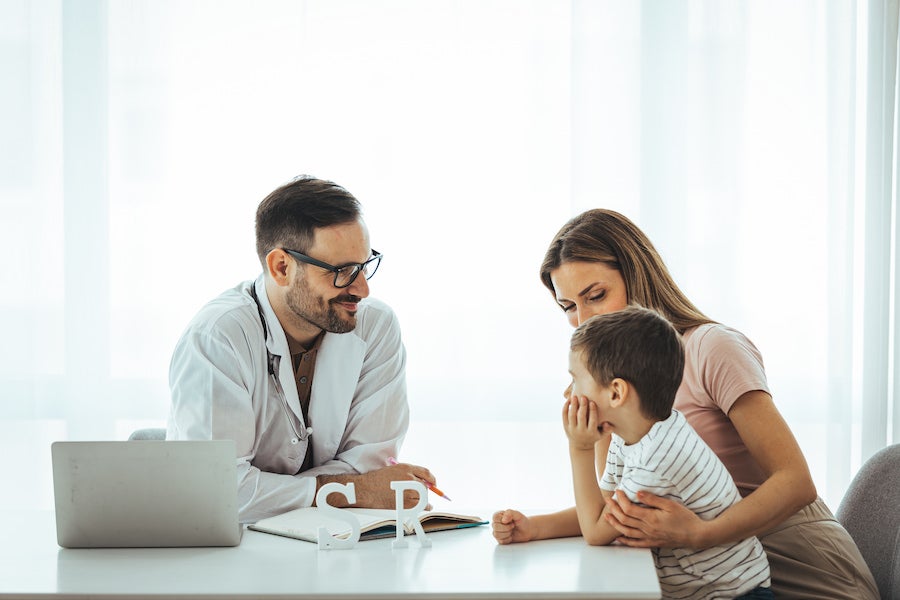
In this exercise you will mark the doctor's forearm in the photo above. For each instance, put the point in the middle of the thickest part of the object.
(337, 499)
(373, 489)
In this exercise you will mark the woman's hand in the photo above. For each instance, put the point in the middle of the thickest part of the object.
(660, 523)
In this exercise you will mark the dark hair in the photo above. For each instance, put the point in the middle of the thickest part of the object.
(289, 216)
(640, 346)
(607, 237)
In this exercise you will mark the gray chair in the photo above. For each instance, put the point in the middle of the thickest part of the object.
(870, 512)
(150, 433)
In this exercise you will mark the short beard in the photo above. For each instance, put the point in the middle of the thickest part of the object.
(317, 311)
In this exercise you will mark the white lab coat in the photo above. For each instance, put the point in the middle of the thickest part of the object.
(221, 389)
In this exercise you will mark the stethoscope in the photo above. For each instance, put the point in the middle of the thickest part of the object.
(273, 372)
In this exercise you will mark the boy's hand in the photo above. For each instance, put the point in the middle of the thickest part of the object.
(510, 527)
(581, 422)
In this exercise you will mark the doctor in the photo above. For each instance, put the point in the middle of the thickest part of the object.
(304, 373)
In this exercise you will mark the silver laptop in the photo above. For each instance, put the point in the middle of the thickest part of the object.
(141, 494)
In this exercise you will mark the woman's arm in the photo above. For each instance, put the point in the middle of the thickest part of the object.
(788, 488)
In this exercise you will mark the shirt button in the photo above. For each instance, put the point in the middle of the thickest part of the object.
(303, 379)
(306, 356)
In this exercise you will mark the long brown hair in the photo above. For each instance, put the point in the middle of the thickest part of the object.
(605, 236)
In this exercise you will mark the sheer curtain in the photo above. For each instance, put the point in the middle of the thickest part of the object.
(753, 141)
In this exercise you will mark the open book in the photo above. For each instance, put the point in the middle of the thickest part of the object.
(304, 523)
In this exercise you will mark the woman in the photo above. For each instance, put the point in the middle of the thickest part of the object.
(600, 262)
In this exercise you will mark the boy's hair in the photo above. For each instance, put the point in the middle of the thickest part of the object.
(289, 216)
(640, 346)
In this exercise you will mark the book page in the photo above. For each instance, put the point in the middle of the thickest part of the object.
(304, 523)
(390, 515)
(432, 520)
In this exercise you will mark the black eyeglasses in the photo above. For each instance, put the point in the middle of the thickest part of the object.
(346, 274)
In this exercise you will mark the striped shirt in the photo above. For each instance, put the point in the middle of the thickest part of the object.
(673, 462)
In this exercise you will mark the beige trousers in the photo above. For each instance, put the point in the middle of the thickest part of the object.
(812, 556)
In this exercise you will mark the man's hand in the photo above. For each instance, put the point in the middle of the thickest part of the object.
(510, 527)
(373, 489)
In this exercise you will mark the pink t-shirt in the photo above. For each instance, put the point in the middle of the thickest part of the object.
(720, 365)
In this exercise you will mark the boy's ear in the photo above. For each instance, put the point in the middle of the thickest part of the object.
(619, 392)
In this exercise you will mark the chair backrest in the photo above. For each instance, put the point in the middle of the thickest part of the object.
(150, 433)
(870, 512)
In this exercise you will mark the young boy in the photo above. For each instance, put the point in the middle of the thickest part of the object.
(626, 367)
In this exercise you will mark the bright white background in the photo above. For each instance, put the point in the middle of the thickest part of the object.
(753, 142)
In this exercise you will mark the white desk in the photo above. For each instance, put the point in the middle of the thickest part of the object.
(461, 564)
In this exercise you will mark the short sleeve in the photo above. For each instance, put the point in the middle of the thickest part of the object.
(728, 365)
